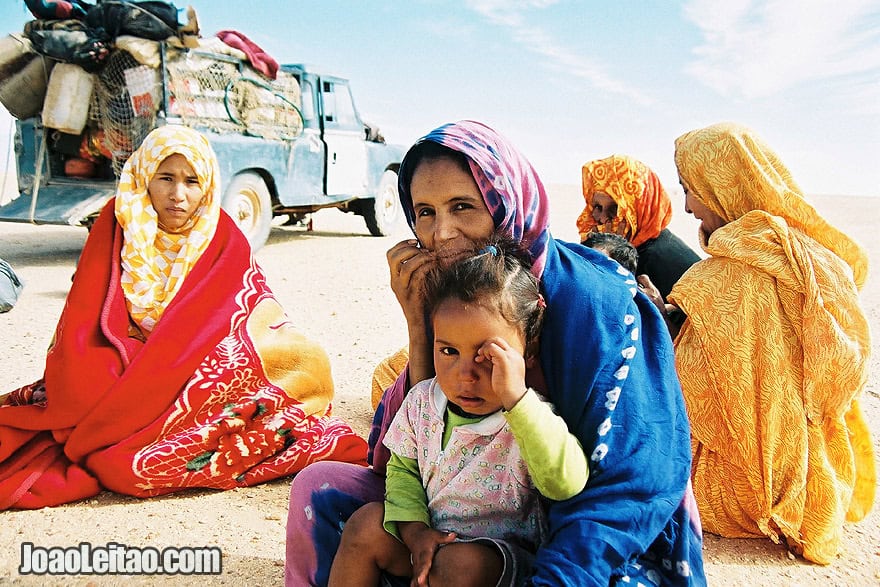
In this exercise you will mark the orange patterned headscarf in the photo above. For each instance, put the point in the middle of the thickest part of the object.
(732, 172)
(643, 208)
(154, 262)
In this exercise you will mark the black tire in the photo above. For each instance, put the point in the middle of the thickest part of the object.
(248, 202)
(383, 213)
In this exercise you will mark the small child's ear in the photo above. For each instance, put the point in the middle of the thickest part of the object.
(531, 355)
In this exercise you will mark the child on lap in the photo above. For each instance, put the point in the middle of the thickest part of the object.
(473, 448)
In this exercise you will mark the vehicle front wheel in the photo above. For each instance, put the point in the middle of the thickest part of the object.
(383, 214)
(248, 202)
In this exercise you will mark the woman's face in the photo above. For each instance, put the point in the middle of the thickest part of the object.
(175, 192)
(449, 208)
(604, 208)
(710, 221)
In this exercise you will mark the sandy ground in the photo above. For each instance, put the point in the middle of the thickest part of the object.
(333, 282)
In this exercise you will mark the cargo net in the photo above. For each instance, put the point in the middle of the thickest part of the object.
(124, 105)
(215, 93)
(227, 95)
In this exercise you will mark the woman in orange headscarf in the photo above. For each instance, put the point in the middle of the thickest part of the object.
(774, 352)
(624, 196)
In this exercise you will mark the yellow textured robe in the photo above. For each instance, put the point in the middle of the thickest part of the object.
(772, 360)
(387, 373)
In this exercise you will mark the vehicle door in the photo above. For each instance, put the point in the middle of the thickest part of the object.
(346, 161)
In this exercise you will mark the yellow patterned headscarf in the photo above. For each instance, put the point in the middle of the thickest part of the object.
(643, 207)
(154, 262)
(732, 172)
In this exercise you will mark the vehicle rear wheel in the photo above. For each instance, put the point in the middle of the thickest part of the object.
(383, 213)
(248, 202)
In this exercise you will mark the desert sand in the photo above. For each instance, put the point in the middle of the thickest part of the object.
(333, 283)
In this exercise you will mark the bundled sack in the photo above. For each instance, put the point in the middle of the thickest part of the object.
(69, 41)
(10, 286)
(15, 53)
(23, 92)
(23, 76)
(149, 19)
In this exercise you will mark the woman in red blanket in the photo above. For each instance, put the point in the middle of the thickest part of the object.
(173, 365)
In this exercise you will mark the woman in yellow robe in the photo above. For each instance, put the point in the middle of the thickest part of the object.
(774, 353)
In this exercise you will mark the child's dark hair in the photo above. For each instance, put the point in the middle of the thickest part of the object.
(499, 273)
(615, 246)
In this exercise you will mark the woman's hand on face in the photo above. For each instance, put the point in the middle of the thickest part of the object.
(508, 370)
(409, 265)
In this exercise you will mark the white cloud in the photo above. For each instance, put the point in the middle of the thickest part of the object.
(507, 12)
(756, 48)
(512, 15)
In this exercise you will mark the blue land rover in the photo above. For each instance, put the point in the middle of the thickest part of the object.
(287, 146)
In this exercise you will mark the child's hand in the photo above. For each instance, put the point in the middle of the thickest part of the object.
(508, 370)
(650, 290)
(423, 544)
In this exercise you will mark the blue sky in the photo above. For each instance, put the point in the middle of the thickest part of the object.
(574, 80)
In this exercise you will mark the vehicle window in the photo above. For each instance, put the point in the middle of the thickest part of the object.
(329, 103)
(308, 103)
(339, 106)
